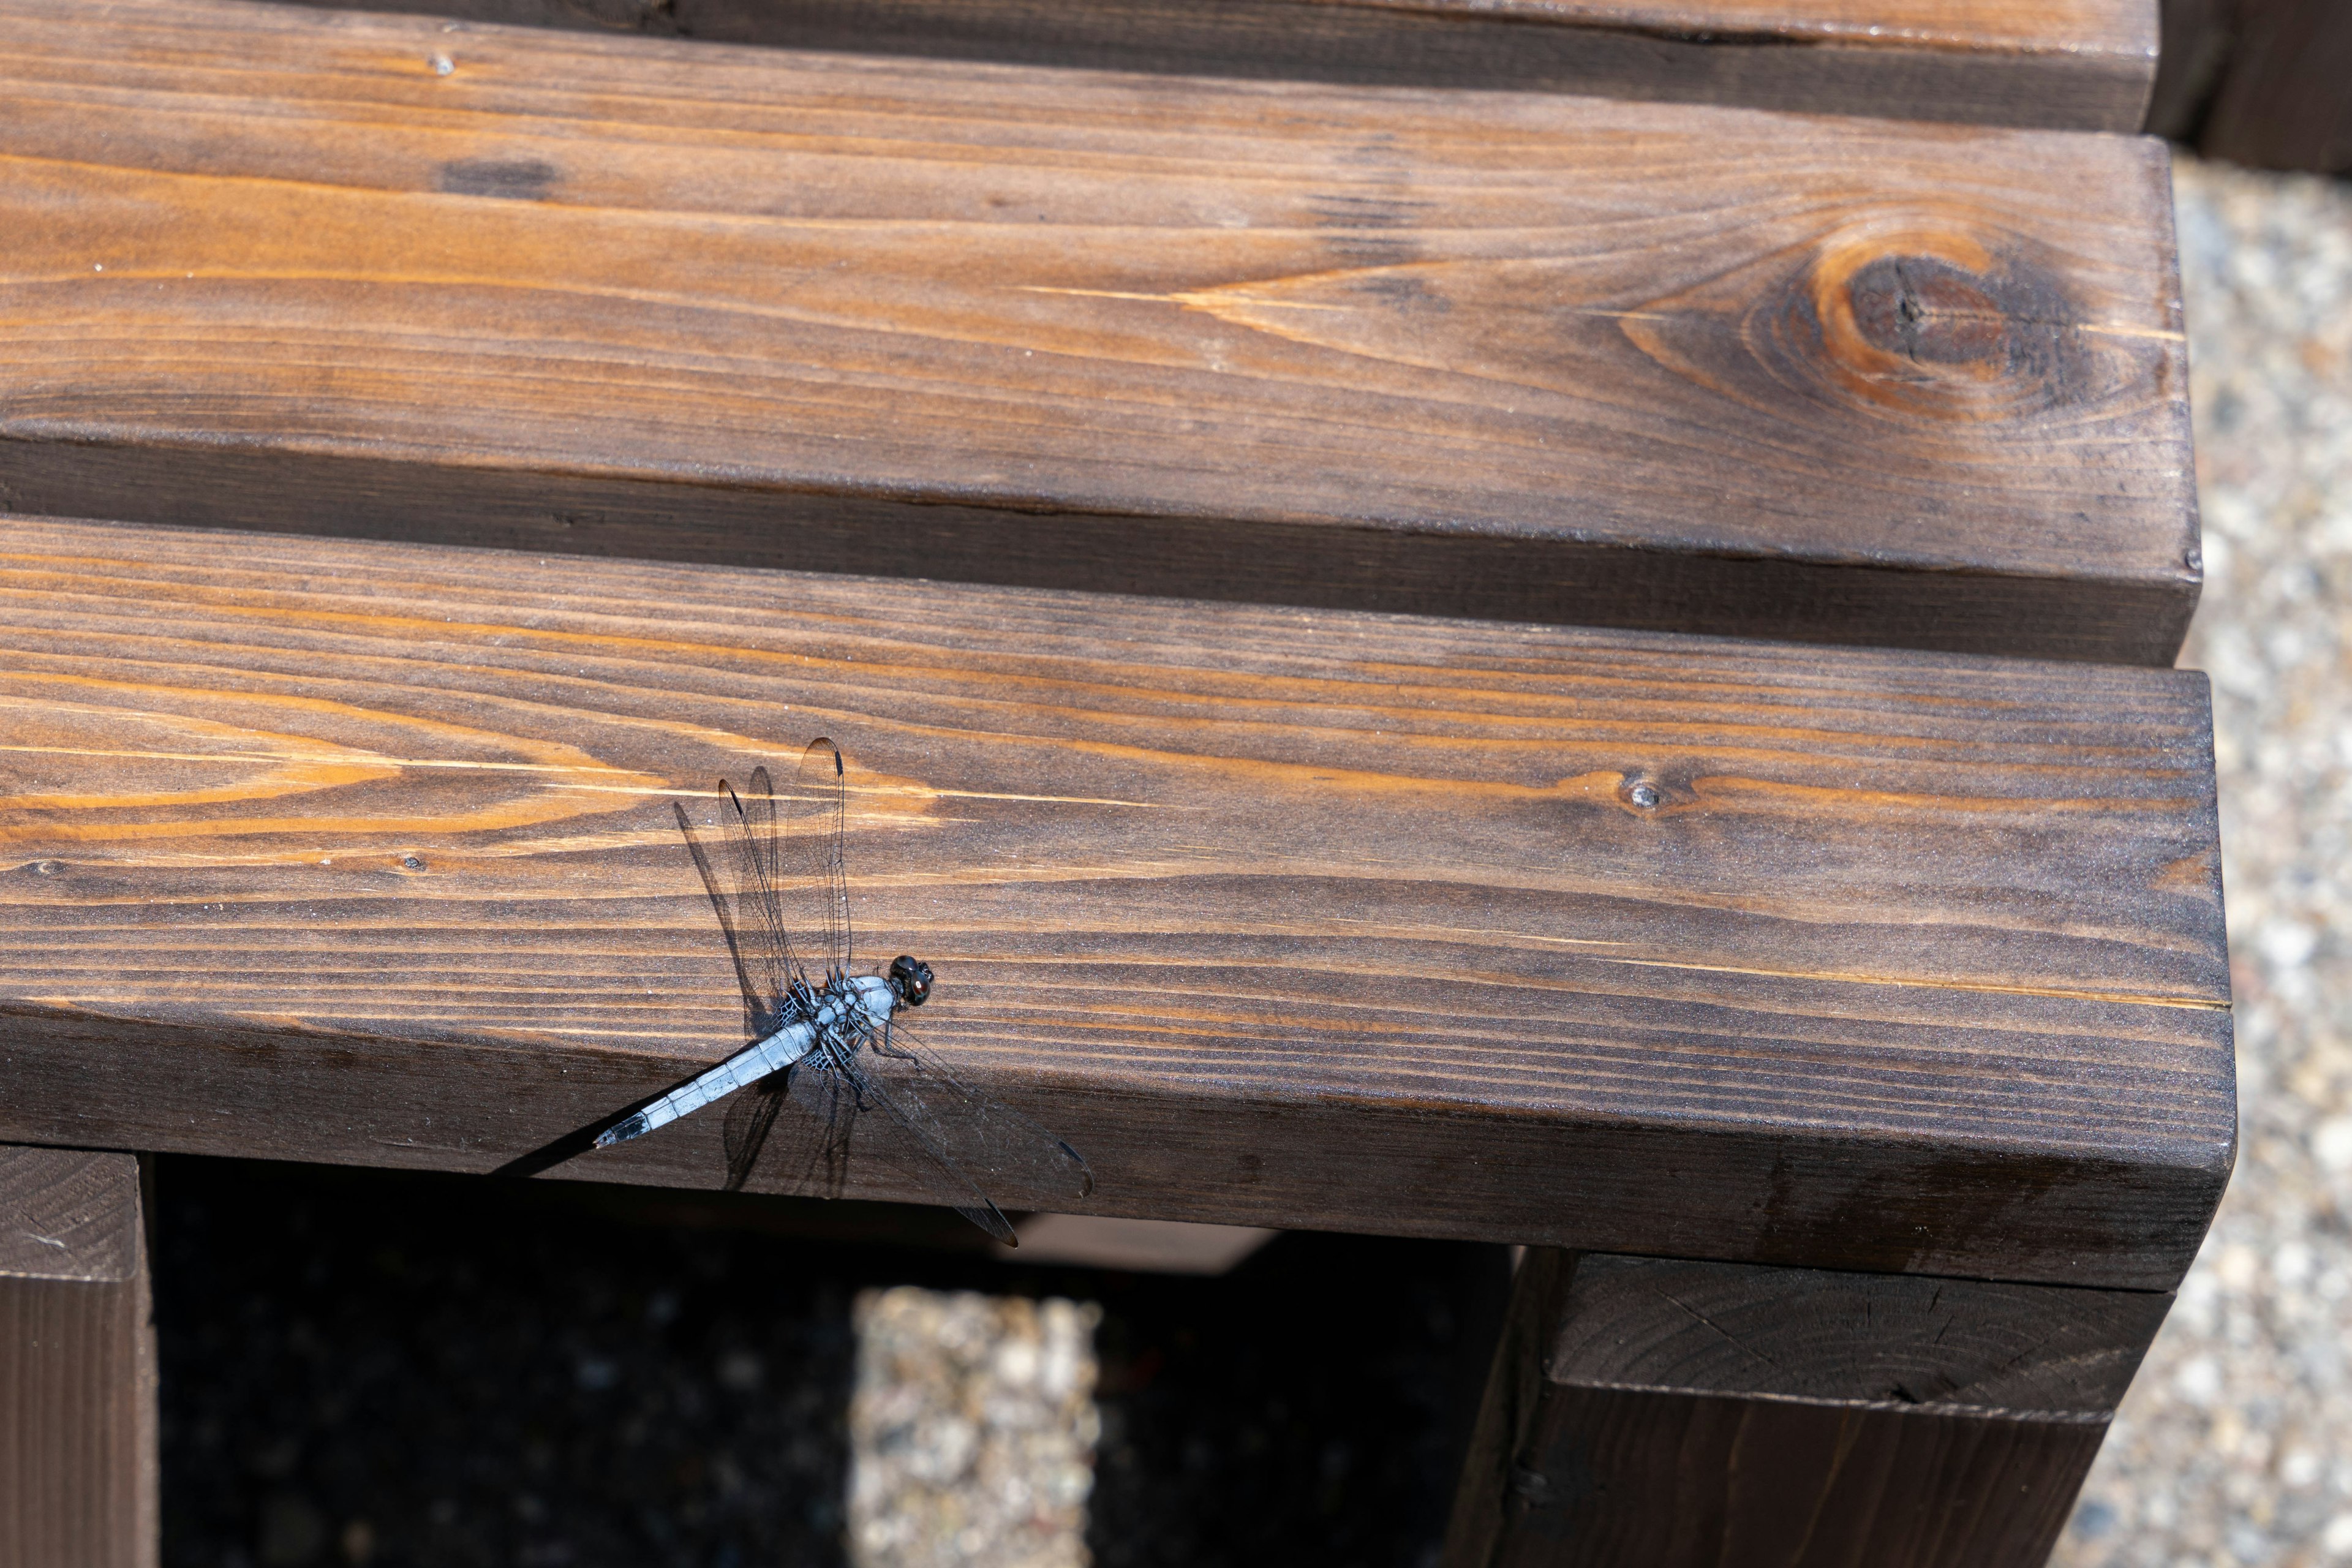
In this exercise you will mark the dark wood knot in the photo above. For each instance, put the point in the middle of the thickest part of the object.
(1937, 325)
(1948, 326)
(513, 179)
(1927, 311)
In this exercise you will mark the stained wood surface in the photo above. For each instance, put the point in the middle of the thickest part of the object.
(69, 1215)
(78, 1478)
(2274, 84)
(1684, 1481)
(1481, 354)
(335, 851)
(2076, 64)
(1957, 1345)
(1643, 1411)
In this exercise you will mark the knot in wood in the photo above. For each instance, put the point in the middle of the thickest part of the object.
(1947, 325)
(1928, 311)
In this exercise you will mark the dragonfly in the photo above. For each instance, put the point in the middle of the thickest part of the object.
(828, 1044)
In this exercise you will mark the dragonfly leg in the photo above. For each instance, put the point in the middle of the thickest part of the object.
(883, 1045)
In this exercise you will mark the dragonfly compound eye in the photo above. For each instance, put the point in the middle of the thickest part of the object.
(912, 979)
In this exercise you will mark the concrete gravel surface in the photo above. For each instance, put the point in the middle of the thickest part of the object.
(972, 1430)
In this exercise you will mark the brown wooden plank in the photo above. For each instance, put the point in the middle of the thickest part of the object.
(1641, 1411)
(336, 851)
(2195, 40)
(1480, 353)
(1968, 1346)
(77, 1480)
(2073, 65)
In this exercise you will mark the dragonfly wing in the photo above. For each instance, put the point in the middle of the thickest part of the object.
(758, 1004)
(989, 1146)
(745, 1130)
(761, 922)
(837, 1113)
(804, 1130)
(903, 1112)
(895, 1132)
(814, 845)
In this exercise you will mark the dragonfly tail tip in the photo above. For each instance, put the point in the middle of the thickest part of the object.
(622, 1132)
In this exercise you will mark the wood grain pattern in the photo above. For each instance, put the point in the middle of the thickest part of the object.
(78, 1478)
(1964, 1346)
(1723, 1416)
(1681, 1481)
(1476, 354)
(2076, 65)
(65, 1214)
(350, 852)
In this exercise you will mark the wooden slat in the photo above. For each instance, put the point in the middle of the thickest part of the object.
(347, 852)
(2073, 64)
(1711, 1416)
(2195, 36)
(1960, 1346)
(1494, 354)
(77, 1480)
(2275, 85)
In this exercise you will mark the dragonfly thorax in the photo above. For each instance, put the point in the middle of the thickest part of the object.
(845, 1006)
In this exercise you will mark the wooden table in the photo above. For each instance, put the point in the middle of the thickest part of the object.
(1582, 673)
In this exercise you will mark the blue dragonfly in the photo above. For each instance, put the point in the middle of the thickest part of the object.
(830, 1069)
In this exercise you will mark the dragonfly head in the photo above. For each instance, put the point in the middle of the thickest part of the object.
(911, 979)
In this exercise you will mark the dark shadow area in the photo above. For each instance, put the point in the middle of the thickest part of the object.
(1310, 1407)
(385, 1368)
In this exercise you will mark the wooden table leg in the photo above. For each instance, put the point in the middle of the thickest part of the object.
(1647, 1414)
(78, 1474)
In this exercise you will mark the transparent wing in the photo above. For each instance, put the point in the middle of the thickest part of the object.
(809, 1155)
(759, 969)
(820, 824)
(896, 1105)
(759, 919)
(789, 901)
(745, 1130)
(992, 1143)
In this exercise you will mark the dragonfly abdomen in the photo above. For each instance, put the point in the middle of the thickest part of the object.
(744, 1068)
(868, 994)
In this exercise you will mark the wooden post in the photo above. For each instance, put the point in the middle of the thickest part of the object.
(2281, 102)
(1652, 1412)
(77, 1471)
(2258, 81)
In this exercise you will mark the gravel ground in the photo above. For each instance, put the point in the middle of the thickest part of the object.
(973, 1430)
(2235, 1444)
